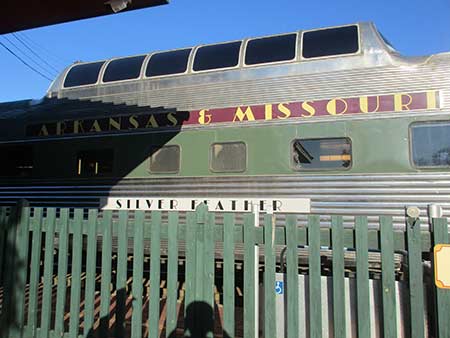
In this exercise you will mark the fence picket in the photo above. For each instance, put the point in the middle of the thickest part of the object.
(105, 284)
(34, 274)
(269, 276)
(337, 233)
(3, 227)
(121, 283)
(155, 251)
(416, 294)
(190, 261)
(172, 267)
(63, 237)
(228, 274)
(138, 274)
(48, 272)
(75, 288)
(440, 236)
(249, 276)
(292, 277)
(388, 277)
(20, 267)
(208, 265)
(315, 298)
(362, 276)
(91, 263)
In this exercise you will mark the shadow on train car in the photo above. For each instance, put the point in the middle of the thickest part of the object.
(69, 152)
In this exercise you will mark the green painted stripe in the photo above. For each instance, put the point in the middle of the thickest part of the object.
(121, 283)
(228, 274)
(155, 251)
(388, 277)
(21, 264)
(337, 234)
(35, 267)
(138, 274)
(75, 289)
(190, 261)
(416, 294)
(105, 284)
(440, 233)
(362, 276)
(315, 299)
(62, 271)
(292, 277)
(172, 275)
(249, 276)
(269, 277)
(48, 272)
(91, 264)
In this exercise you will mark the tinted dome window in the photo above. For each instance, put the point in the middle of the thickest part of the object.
(166, 63)
(123, 69)
(333, 41)
(273, 49)
(83, 74)
(217, 56)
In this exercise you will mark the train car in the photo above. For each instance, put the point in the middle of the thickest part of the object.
(333, 116)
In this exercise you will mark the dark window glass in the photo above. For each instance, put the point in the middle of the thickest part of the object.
(430, 144)
(217, 56)
(95, 162)
(332, 153)
(228, 157)
(165, 159)
(83, 74)
(17, 161)
(166, 63)
(123, 69)
(273, 49)
(333, 41)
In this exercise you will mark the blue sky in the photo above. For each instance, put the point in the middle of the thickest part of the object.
(414, 27)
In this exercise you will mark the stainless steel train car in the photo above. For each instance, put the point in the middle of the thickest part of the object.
(335, 116)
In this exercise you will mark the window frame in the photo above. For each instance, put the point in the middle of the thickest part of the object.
(194, 55)
(149, 170)
(211, 169)
(297, 169)
(32, 150)
(296, 54)
(125, 80)
(109, 174)
(410, 146)
(149, 56)
(359, 51)
(99, 77)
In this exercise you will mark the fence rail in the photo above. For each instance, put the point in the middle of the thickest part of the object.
(61, 276)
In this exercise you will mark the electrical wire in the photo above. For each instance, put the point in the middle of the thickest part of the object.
(24, 62)
(55, 58)
(26, 56)
(33, 52)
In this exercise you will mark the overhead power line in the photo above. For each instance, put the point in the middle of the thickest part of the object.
(49, 53)
(29, 58)
(24, 62)
(33, 52)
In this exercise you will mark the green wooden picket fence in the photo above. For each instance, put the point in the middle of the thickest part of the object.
(65, 273)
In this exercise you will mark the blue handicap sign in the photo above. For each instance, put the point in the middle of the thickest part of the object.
(279, 287)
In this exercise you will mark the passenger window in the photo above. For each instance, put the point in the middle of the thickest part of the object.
(123, 69)
(83, 74)
(332, 41)
(95, 162)
(18, 161)
(430, 144)
(271, 49)
(165, 160)
(228, 157)
(174, 62)
(224, 55)
(322, 154)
